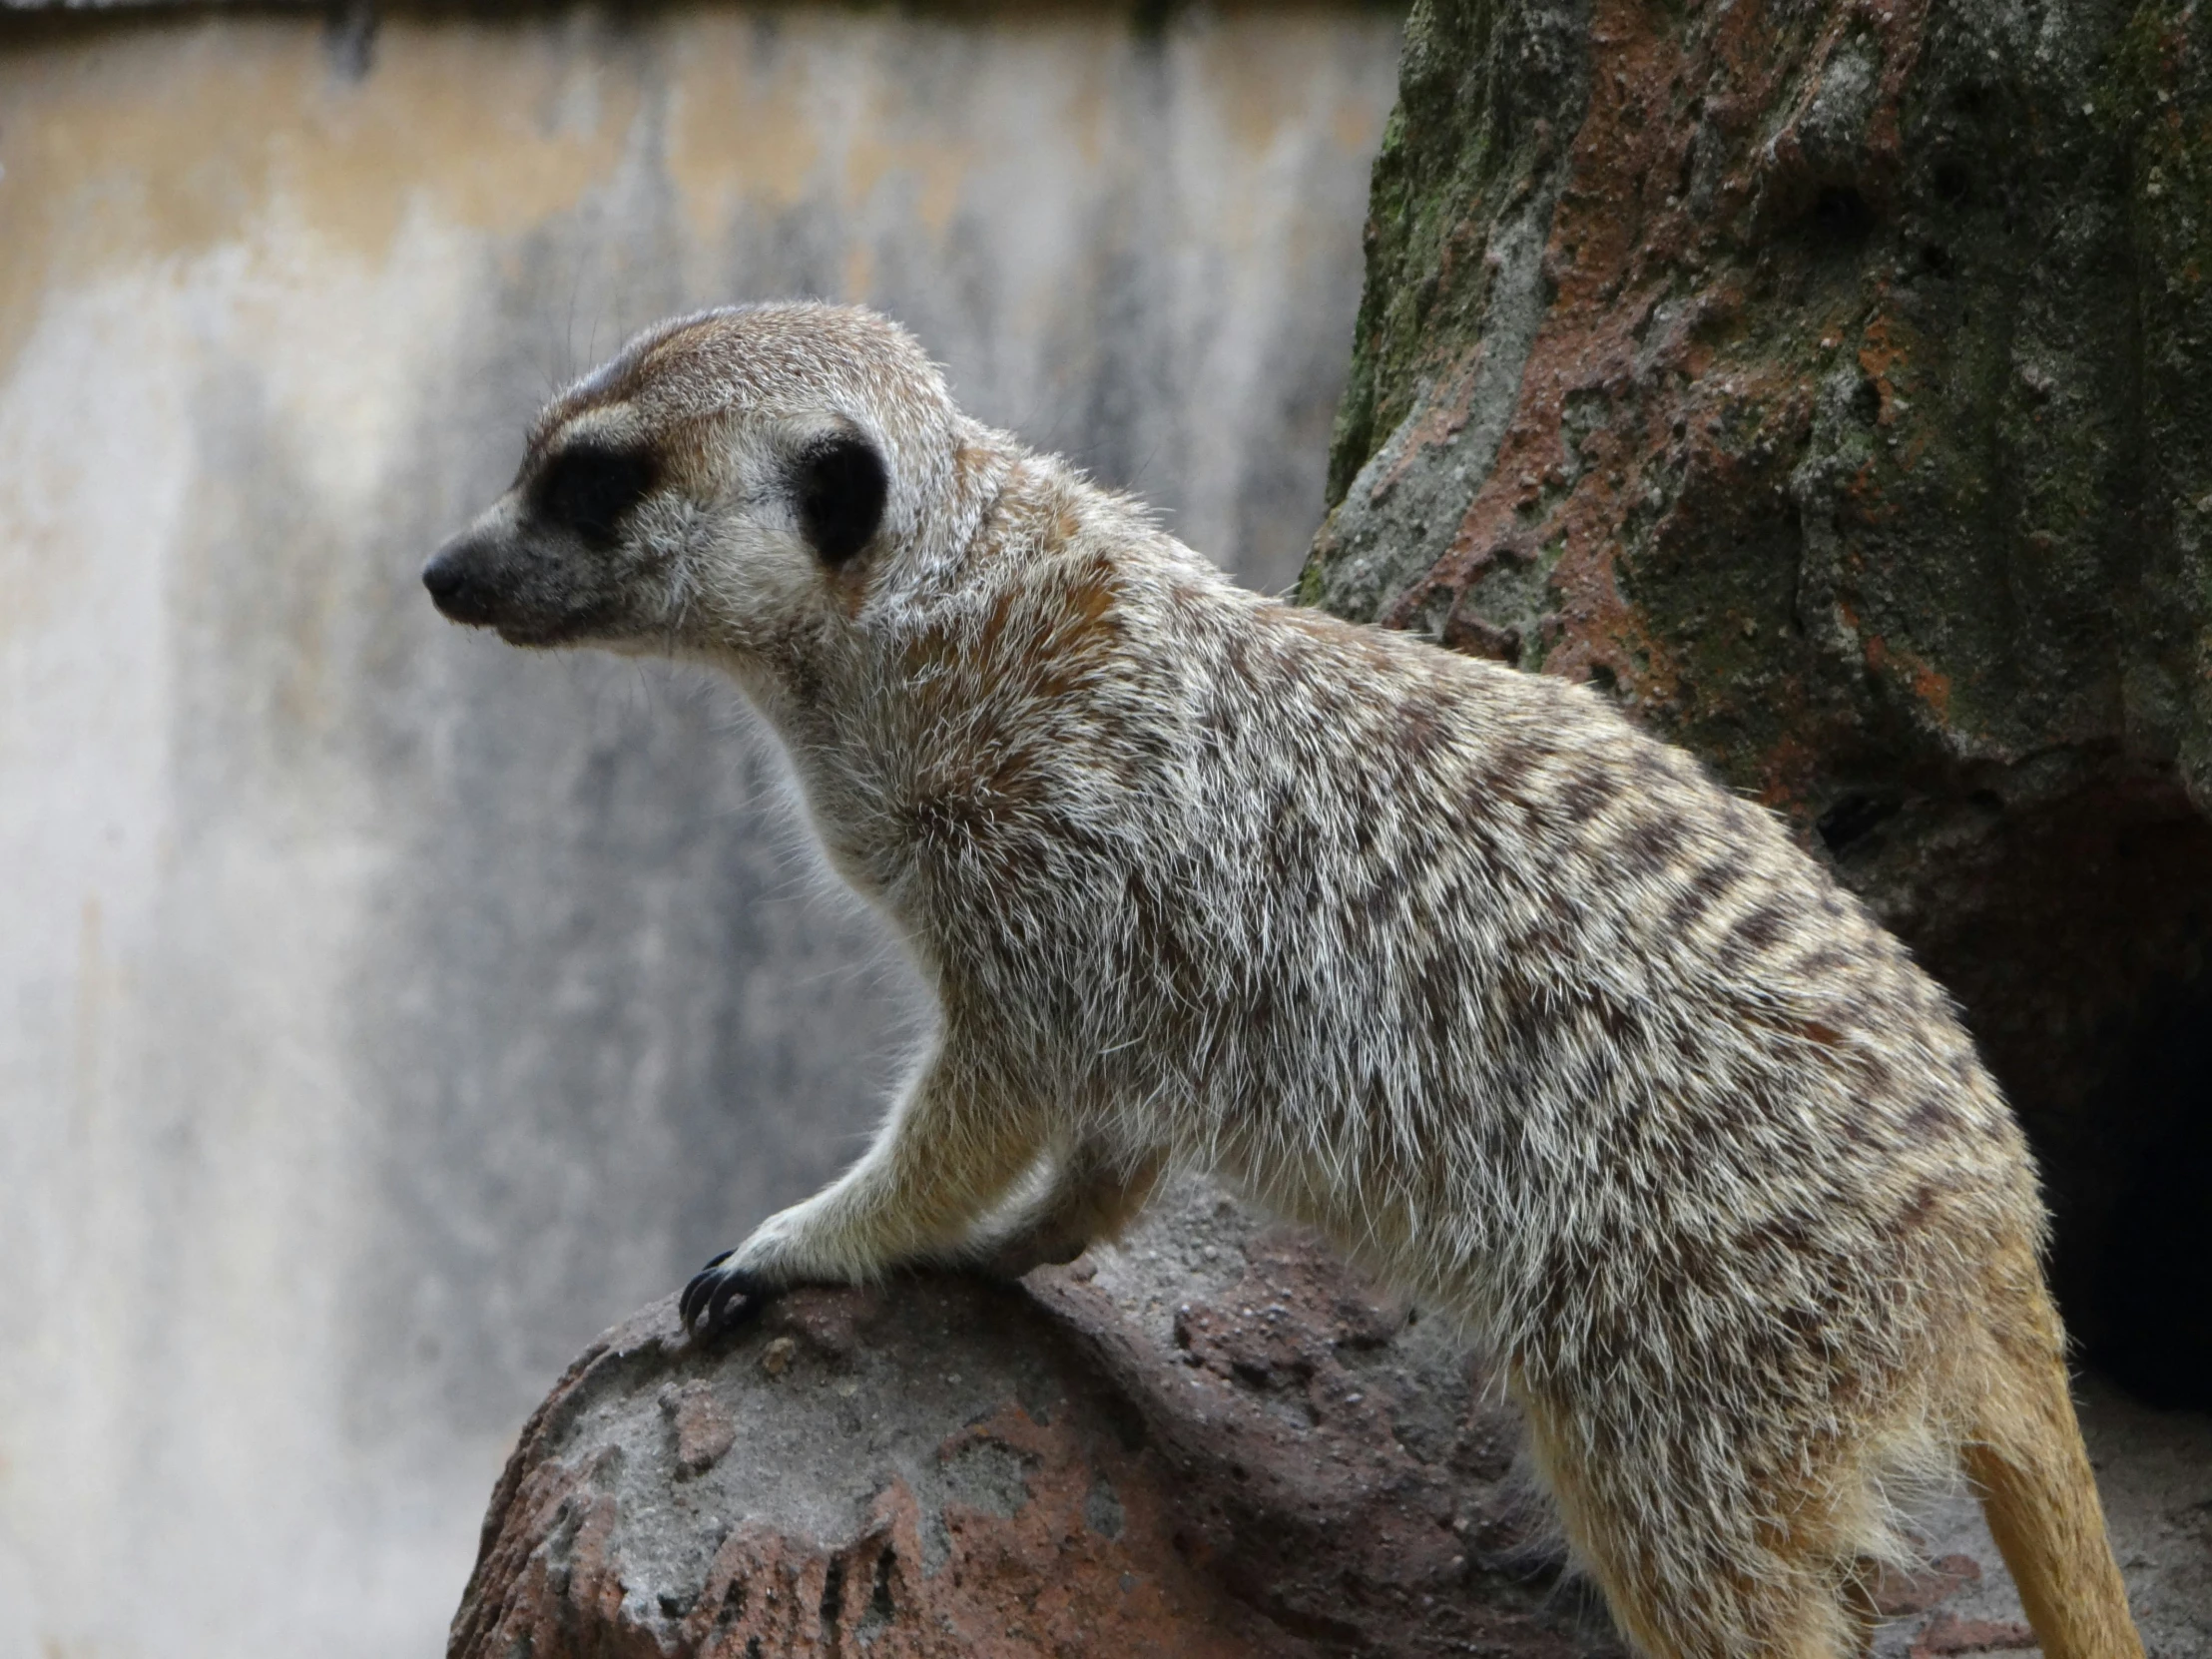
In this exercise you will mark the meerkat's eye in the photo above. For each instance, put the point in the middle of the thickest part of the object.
(588, 486)
(840, 484)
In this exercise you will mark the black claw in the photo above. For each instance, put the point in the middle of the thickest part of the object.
(722, 1298)
(694, 1293)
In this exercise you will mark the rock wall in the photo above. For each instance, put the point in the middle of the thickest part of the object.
(383, 1011)
(1827, 383)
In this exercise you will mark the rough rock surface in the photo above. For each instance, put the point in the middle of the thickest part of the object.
(1828, 382)
(1209, 1441)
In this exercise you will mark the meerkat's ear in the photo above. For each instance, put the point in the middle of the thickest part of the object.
(840, 482)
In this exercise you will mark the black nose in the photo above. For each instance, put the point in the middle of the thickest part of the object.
(443, 577)
(456, 581)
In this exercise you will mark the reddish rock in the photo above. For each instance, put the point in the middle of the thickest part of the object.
(1947, 1633)
(703, 1426)
(1212, 1443)
(1900, 1593)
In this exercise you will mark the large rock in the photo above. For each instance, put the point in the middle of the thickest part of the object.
(1210, 1443)
(1828, 382)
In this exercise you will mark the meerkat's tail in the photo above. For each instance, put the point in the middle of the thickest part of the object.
(2033, 1474)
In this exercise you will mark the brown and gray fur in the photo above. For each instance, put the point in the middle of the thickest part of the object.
(1509, 1001)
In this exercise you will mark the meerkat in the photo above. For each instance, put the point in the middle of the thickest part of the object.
(1508, 999)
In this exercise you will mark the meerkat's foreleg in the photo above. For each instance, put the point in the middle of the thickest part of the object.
(946, 1156)
(1095, 1192)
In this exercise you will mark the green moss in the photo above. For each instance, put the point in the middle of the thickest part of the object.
(1467, 135)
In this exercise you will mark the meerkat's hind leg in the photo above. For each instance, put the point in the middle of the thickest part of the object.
(1092, 1193)
(945, 1155)
(1673, 1595)
(2038, 1492)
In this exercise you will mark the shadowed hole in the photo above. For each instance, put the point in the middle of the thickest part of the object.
(2078, 937)
(2153, 1286)
(1853, 819)
(1952, 183)
(1841, 214)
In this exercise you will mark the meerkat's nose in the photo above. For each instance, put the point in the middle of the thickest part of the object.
(448, 577)
(444, 578)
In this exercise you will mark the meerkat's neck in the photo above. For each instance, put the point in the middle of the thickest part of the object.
(834, 696)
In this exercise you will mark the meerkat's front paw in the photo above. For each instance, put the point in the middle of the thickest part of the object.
(786, 1250)
(722, 1296)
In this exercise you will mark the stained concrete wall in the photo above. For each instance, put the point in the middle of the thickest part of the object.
(382, 1011)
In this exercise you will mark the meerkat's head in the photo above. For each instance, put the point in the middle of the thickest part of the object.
(725, 486)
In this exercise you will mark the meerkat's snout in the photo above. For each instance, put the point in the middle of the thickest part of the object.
(501, 575)
(566, 555)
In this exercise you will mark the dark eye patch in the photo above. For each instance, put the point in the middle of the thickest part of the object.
(588, 486)
(840, 485)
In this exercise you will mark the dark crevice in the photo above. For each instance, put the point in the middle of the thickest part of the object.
(1842, 217)
(1953, 183)
(880, 1604)
(2152, 1288)
(2078, 933)
(733, 1603)
(1853, 819)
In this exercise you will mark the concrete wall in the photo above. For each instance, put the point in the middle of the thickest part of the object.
(383, 1011)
